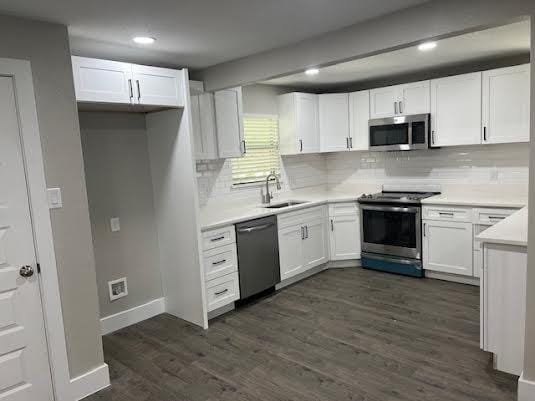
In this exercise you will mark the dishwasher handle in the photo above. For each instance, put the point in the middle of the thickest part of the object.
(254, 228)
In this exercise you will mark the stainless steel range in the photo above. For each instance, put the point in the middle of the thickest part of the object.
(390, 228)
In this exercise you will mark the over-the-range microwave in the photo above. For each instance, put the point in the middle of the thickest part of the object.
(399, 133)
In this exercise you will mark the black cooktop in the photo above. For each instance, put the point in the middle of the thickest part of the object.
(396, 197)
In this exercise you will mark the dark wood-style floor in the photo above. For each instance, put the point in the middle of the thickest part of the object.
(346, 334)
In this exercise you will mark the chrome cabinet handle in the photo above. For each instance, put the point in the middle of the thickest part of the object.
(244, 147)
(217, 238)
(350, 142)
(131, 89)
(26, 271)
(450, 214)
(302, 232)
(395, 107)
(306, 232)
(485, 134)
(424, 229)
(496, 217)
(221, 292)
(400, 108)
(347, 142)
(300, 145)
(138, 90)
(219, 262)
(332, 225)
(432, 137)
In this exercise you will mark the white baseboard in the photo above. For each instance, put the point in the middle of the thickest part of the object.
(526, 389)
(128, 317)
(338, 264)
(90, 382)
(452, 277)
(301, 276)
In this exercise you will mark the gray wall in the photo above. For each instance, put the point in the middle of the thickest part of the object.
(119, 185)
(262, 99)
(47, 48)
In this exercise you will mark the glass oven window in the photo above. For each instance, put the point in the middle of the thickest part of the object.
(393, 134)
(389, 228)
(418, 132)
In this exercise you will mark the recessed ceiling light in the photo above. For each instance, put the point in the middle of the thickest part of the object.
(312, 71)
(427, 46)
(144, 40)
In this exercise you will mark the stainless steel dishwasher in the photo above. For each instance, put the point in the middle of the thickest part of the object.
(258, 255)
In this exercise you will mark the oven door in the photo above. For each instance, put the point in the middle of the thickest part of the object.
(391, 230)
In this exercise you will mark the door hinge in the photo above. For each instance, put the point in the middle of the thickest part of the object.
(38, 268)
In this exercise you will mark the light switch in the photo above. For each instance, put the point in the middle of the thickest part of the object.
(54, 198)
(115, 224)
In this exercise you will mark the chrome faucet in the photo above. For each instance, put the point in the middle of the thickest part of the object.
(266, 198)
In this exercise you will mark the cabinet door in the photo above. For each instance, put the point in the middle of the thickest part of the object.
(506, 101)
(307, 121)
(291, 251)
(229, 122)
(334, 122)
(196, 126)
(102, 81)
(456, 110)
(383, 102)
(156, 86)
(315, 247)
(345, 237)
(448, 247)
(415, 98)
(208, 128)
(359, 115)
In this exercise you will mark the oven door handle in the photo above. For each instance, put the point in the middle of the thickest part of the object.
(391, 208)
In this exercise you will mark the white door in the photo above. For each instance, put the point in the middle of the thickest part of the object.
(345, 237)
(456, 110)
(24, 366)
(415, 98)
(506, 101)
(308, 135)
(359, 115)
(447, 247)
(315, 247)
(229, 122)
(156, 86)
(334, 122)
(291, 251)
(383, 102)
(102, 81)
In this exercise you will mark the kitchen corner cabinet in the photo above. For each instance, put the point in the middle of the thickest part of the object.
(303, 241)
(456, 110)
(229, 122)
(204, 126)
(400, 100)
(299, 123)
(105, 81)
(359, 115)
(334, 122)
(506, 104)
(344, 231)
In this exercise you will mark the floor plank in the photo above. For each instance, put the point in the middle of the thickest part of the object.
(343, 334)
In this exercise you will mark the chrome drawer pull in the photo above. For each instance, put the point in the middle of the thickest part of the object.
(217, 238)
(221, 292)
(445, 213)
(497, 217)
(219, 262)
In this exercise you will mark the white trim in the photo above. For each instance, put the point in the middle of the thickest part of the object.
(452, 277)
(21, 72)
(90, 382)
(301, 276)
(115, 322)
(340, 264)
(526, 389)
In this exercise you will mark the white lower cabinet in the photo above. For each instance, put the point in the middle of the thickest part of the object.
(344, 225)
(447, 246)
(222, 291)
(303, 242)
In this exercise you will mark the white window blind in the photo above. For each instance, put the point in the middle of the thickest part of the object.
(262, 156)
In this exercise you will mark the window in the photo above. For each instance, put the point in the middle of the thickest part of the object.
(262, 157)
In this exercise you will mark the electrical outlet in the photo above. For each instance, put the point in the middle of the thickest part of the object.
(115, 224)
(118, 288)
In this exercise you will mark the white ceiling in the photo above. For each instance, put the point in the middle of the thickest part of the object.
(508, 40)
(196, 33)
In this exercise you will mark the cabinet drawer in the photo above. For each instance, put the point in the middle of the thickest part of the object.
(447, 213)
(491, 216)
(300, 216)
(218, 237)
(220, 261)
(222, 291)
(343, 209)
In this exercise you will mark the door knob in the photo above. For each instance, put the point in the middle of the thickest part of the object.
(26, 271)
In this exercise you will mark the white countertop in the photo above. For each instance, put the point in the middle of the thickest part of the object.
(512, 230)
(225, 212)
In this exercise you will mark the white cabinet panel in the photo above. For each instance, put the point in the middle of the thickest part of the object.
(506, 102)
(156, 86)
(415, 98)
(447, 247)
(222, 291)
(229, 121)
(299, 123)
(345, 237)
(291, 251)
(204, 129)
(315, 247)
(102, 81)
(383, 102)
(359, 115)
(456, 110)
(334, 122)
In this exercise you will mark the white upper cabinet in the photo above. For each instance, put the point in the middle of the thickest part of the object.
(105, 81)
(506, 102)
(157, 86)
(456, 110)
(299, 123)
(102, 81)
(399, 100)
(229, 121)
(204, 128)
(359, 115)
(334, 122)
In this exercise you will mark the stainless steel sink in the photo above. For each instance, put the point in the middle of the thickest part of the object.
(284, 204)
